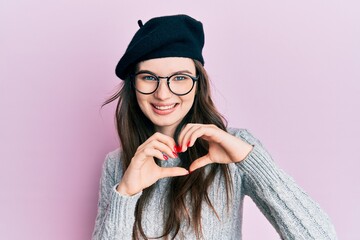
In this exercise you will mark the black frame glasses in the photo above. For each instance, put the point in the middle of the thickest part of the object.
(168, 81)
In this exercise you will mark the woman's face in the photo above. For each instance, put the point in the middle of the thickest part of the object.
(165, 109)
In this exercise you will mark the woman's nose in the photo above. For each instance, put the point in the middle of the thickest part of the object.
(163, 91)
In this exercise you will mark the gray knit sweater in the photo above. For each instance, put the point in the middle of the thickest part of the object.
(292, 213)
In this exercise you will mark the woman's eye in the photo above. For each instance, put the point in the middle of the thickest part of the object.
(149, 78)
(179, 78)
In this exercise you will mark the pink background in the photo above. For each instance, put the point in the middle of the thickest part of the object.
(288, 71)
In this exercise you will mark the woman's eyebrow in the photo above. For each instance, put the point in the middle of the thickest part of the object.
(145, 71)
(177, 72)
(182, 71)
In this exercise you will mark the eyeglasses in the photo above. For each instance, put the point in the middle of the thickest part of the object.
(179, 84)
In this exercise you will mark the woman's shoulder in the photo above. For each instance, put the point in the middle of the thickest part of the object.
(112, 164)
(114, 155)
(244, 134)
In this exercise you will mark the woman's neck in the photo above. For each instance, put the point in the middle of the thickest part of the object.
(168, 131)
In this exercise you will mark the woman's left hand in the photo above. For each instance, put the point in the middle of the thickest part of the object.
(223, 147)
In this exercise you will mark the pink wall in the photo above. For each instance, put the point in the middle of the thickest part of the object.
(288, 71)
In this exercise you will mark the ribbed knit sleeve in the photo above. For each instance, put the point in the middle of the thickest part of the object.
(290, 210)
(115, 217)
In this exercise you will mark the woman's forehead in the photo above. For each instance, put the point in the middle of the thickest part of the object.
(167, 65)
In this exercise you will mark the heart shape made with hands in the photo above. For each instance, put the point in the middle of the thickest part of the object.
(223, 148)
(142, 172)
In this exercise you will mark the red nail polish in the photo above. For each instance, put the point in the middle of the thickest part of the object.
(175, 154)
(188, 144)
(165, 157)
(177, 148)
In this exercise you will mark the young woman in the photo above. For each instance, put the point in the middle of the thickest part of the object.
(180, 172)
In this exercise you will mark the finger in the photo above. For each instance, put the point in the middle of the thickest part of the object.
(173, 172)
(147, 155)
(162, 147)
(183, 133)
(199, 163)
(192, 134)
(208, 132)
(159, 140)
(169, 141)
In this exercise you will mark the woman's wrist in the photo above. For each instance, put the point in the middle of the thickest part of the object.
(247, 151)
(121, 188)
(241, 148)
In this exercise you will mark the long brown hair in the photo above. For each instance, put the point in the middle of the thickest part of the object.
(134, 128)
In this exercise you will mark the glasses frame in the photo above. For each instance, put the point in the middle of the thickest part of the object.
(158, 78)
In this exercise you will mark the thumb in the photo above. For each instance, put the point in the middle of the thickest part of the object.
(199, 163)
(173, 172)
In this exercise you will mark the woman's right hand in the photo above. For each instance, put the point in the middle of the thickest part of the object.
(143, 171)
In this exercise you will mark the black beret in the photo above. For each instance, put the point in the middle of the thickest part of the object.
(167, 36)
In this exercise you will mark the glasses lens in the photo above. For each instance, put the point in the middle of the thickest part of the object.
(146, 82)
(181, 83)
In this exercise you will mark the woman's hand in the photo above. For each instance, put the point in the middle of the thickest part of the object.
(223, 147)
(143, 171)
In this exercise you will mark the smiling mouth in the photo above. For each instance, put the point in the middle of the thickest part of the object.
(162, 108)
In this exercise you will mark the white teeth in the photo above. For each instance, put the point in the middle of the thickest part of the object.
(164, 107)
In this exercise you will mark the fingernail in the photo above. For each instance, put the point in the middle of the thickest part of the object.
(177, 148)
(175, 154)
(188, 144)
(165, 157)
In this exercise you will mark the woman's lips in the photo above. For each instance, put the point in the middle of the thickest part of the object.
(164, 109)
